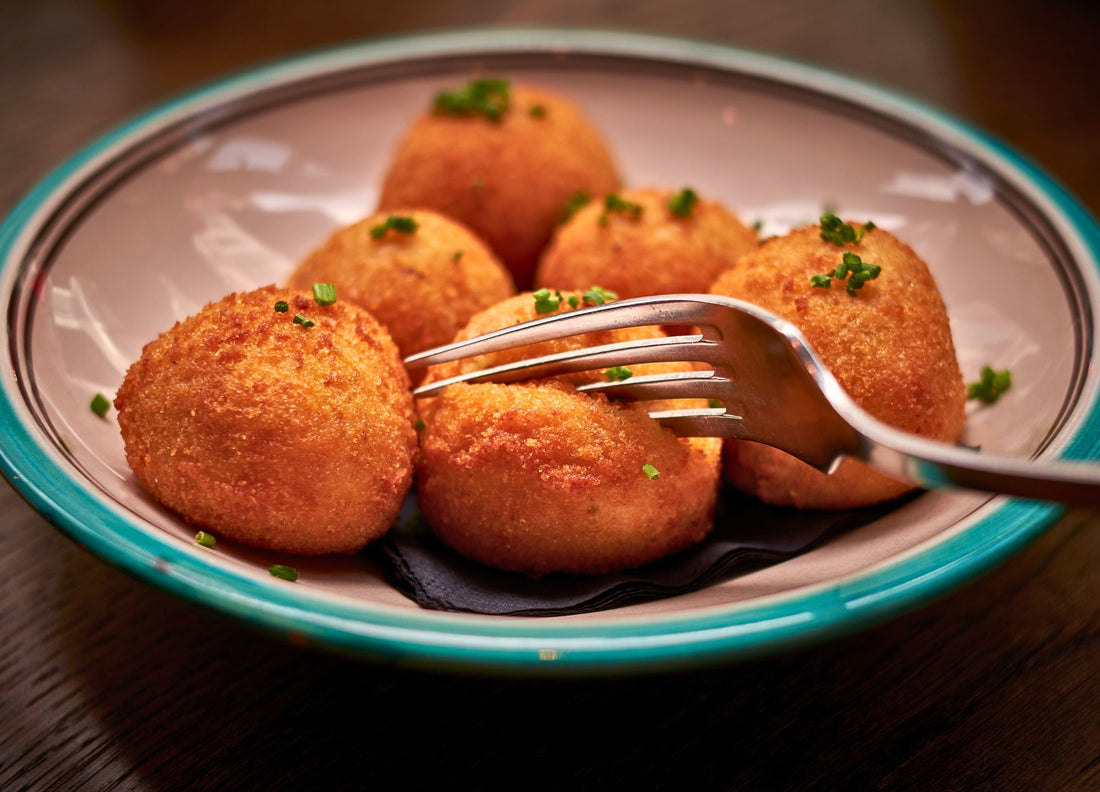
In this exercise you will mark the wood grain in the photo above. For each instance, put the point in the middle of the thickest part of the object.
(108, 684)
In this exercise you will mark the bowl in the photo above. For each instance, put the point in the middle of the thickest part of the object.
(226, 188)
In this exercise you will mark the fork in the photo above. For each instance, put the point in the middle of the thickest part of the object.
(772, 387)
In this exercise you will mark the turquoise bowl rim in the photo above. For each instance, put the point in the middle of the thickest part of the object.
(534, 646)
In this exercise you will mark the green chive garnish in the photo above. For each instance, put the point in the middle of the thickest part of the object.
(683, 203)
(419, 425)
(205, 539)
(301, 320)
(100, 405)
(324, 293)
(282, 306)
(990, 386)
(488, 98)
(283, 572)
(545, 302)
(651, 472)
(836, 231)
(402, 225)
(598, 295)
(618, 373)
(576, 201)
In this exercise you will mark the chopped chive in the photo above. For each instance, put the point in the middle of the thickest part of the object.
(651, 472)
(991, 385)
(420, 426)
(457, 256)
(537, 111)
(400, 224)
(618, 373)
(613, 202)
(576, 201)
(574, 301)
(683, 203)
(839, 233)
(598, 295)
(715, 403)
(283, 572)
(282, 306)
(205, 539)
(100, 405)
(301, 320)
(324, 293)
(545, 302)
(486, 97)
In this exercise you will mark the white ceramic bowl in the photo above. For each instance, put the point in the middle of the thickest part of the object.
(226, 188)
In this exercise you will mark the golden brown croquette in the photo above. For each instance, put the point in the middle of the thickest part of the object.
(261, 428)
(538, 478)
(422, 276)
(641, 246)
(508, 179)
(889, 346)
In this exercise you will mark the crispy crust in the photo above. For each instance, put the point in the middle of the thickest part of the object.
(423, 287)
(272, 434)
(657, 253)
(890, 347)
(508, 181)
(538, 478)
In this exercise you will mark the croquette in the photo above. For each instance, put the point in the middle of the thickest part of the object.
(887, 342)
(508, 175)
(647, 241)
(536, 477)
(420, 274)
(273, 421)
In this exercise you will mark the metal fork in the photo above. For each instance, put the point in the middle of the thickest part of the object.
(773, 388)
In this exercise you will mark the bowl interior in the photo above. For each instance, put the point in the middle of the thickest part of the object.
(229, 194)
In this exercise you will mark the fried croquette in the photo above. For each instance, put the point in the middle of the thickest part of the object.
(509, 177)
(888, 344)
(537, 478)
(642, 242)
(422, 280)
(273, 421)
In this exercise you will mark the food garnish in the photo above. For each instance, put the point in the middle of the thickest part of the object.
(398, 223)
(420, 426)
(851, 267)
(485, 97)
(682, 204)
(598, 295)
(835, 230)
(100, 405)
(575, 202)
(651, 472)
(324, 293)
(616, 203)
(301, 320)
(283, 572)
(990, 386)
(204, 539)
(546, 301)
(619, 373)
(457, 257)
(537, 111)
(282, 306)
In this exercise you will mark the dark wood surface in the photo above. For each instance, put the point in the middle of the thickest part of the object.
(108, 684)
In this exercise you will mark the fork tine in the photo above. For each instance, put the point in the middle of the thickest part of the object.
(675, 385)
(638, 312)
(649, 350)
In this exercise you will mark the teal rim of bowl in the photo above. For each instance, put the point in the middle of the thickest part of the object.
(454, 641)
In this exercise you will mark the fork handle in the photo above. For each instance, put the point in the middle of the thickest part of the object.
(935, 465)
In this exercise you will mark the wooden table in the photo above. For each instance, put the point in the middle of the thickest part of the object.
(108, 684)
